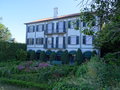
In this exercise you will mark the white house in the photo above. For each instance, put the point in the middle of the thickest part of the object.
(58, 33)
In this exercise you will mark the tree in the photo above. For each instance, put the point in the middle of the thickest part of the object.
(52, 56)
(21, 55)
(108, 13)
(79, 57)
(5, 34)
(65, 57)
(43, 56)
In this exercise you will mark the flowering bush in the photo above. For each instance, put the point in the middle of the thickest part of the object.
(21, 67)
(41, 65)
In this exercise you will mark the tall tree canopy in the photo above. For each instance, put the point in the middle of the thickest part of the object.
(108, 13)
(5, 34)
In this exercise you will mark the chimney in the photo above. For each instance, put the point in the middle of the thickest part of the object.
(55, 12)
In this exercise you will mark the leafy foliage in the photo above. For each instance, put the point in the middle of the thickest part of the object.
(65, 57)
(21, 55)
(53, 56)
(5, 34)
(31, 55)
(43, 56)
(8, 50)
(79, 57)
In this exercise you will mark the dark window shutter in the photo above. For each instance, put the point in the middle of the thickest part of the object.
(84, 39)
(93, 38)
(64, 46)
(77, 23)
(77, 40)
(36, 40)
(37, 28)
(84, 24)
(42, 39)
(64, 29)
(32, 41)
(45, 42)
(52, 42)
(57, 26)
(46, 28)
(69, 24)
(69, 40)
(43, 27)
(56, 42)
(27, 27)
(33, 28)
(52, 27)
(27, 41)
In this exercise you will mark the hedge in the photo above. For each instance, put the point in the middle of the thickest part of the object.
(8, 50)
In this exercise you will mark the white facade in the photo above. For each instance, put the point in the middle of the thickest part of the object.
(58, 34)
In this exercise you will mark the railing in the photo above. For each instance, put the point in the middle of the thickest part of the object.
(55, 31)
(60, 46)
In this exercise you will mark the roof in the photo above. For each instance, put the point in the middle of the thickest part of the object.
(50, 19)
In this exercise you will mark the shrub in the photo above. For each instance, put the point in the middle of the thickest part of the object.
(53, 56)
(31, 55)
(79, 57)
(21, 55)
(43, 56)
(112, 59)
(8, 50)
(87, 55)
(94, 53)
(65, 57)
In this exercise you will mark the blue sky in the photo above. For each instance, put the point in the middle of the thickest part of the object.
(16, 12)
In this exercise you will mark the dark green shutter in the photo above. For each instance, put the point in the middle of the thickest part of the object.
(64, 29)
(77, 23)
(42, 40)
(46, 31)
(37, 28)
(57, 26)
(43, 27)
(27, 41)
(32, 41)
(69, 24)
(69, 40)
(52, 27)
(52, 42)
(33, 28)
(46, 42)
(27, 27)
(56, 42)
(36, 40)
(84, 24)
(77, 39)
(84, 39)
(64, 46)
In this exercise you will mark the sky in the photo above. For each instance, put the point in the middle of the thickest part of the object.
(15, 13)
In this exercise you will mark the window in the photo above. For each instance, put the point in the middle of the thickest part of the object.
(50, 26)
(31, 28)
(30, 41)
(61, 26)
(49, 42)
(39, 41)
(87, 40)
(73, 40)
(40, 28)
(60, 45)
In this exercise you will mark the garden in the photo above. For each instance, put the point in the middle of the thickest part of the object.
(58, 70)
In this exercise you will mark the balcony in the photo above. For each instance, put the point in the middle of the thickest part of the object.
(61, 31)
